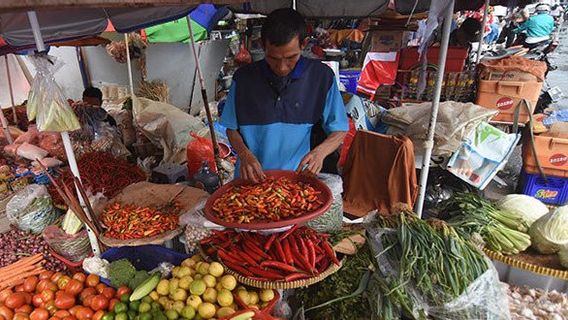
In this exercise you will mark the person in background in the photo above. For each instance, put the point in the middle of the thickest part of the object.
(466, 33)
(538, 28)
(94, 97)
(275, 105)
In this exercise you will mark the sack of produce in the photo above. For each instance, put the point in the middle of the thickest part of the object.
(426, 270)
(31, 152)
(195, 229)
(46, 102)
(73, 247)
(333, 218)
(550, 232)
(31, 209)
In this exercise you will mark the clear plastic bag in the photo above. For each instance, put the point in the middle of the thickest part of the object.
(32, 209)
(195, 229)
(46, 102)
(74, 247)
(331, 220)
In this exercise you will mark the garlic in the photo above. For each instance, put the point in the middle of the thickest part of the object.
(528, 304)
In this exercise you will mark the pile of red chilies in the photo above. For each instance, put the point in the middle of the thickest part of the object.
(298, 253)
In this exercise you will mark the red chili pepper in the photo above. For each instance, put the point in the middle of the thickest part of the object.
(268, 243)
(324, 265)
(330, 253)
(253, 248)
(289, 232)
(237, 268)
(265, 273)
(295, 276)
(280, 251)
(298, 261)
(278, 265)
(287, 251)
(225, 257)
(250, 260)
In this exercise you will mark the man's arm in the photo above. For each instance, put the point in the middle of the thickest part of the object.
(314, 159)
(251, 169)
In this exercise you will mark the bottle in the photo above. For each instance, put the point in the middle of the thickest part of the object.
(205, 179)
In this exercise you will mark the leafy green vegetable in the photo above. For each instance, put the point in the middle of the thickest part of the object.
(139, 277)
(550, 233)
(121, 272)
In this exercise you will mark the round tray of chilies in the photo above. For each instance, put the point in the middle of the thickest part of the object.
(285, 198)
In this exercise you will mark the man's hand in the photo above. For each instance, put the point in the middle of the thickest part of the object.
(312, 162)
(251, 170)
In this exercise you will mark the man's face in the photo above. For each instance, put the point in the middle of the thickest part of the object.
(92, 101)
(282, 59)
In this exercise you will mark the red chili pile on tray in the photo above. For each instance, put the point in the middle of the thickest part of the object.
(272, 200)
(125, 222)
(100, 172)
(298, 253)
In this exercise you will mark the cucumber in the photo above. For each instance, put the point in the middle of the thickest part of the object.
(145, 287)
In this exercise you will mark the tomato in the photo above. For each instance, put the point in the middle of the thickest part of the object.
(47, 295)
(54, 318)
(88, 302)
(62, 314)
(30, 283)
(45, 275)
(50, 306)
(122, 290)
(39, 314)
(37, 300)
(73, 311)
(69, 318)
(112, 303)
(84, 313)
(5, 294)
(46, 285)
(55, 277)
(19, 288)
(99, 302)
(28, 297)
(92, 280)
(100, 287)
(21, 316)
(74, 287)
(80, 276)
(62, 282)
(64, 301)
(6, 312)
(109, 293)
(15, 300)
(87, 292)
(26, 308)
(99, 315)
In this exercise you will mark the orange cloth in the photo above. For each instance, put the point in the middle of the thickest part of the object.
(337, 36)
(379, 174)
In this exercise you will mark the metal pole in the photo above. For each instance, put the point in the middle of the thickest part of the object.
(435, 105)
(11, 91)
(40, 45)
(5, 127)
(216, 152)
(128, 62)
(483, 23)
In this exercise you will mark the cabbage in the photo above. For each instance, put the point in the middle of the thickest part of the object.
(563, 255)
(526, 207)
(550, 232)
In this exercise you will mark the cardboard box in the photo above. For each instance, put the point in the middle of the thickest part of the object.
(388, 40)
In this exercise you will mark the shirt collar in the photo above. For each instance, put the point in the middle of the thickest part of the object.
(294, 75)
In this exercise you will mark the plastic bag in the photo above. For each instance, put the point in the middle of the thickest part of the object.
(32, 209)
(332, 219)
(46, 103)
(31, 152)
(243, 57)
(52, 143)
(195, 229)
(74, 247)
(198, 150)
(48, 162)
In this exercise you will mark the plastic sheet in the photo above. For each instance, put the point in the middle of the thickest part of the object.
(333, 218)
(31, 152)
(46, 102)
(73, 247)
(32, 209)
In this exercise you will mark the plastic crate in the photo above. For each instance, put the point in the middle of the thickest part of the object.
(553, 191)
(455, 61)
(349, 78)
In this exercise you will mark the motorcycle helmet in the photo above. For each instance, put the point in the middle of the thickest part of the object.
(543, 7)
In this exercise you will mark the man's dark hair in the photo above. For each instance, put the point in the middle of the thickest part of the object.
(93, 92)
(471, 27)
(282, 25)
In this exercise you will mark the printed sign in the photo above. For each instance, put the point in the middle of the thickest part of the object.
(504, 103)
(558, 159)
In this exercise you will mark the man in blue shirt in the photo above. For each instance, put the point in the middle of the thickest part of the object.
(274, 104)
(539, 27)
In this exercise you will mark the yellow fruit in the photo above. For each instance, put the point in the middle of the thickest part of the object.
(197, 276)
(169, 305)
(266, 295)
(163, 300)
(185, 282)
(210, 281)
(188, 312)
(175, 272)
(196, 258)
(154, 295)
(234, 306)
(163, 287)
(194, 301)
(224, 298)
(253, 297)
(179, 295)
(210, 295)
(244, 295)
(228, 282)
(184, 271)
(206, 310)
(178, 306)
(188, 263)
(174, 284)
(216, 269)
(225, 312)
(203, 268)
(197, 287)
(240, 288)
(219, 286)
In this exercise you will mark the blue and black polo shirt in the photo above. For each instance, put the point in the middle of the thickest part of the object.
(275, 116)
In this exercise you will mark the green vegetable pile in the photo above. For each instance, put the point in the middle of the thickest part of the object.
(121, 272)
(427, 262)
(472, 215)
(344, 282)
(139, 277)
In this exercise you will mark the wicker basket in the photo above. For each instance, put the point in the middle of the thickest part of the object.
(282, 284)
(549, 272)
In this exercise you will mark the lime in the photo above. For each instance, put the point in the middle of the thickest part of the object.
(121, 316)
(147, 299)
(172, 314)
(134, 305)
(156, 306)
(145, 316)
(144, 307)
(131, 314)
(120, 308)
(125, 298)
(108, 316)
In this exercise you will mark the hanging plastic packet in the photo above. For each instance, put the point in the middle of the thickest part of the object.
(46, 102)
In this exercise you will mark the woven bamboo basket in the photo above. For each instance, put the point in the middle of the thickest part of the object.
(282, 284)
(544, 271)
